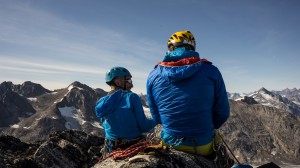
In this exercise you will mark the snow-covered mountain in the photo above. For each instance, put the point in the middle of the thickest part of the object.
(38, 111)
(287, 100)
(30, 112)
(291, 94)
(235, 96)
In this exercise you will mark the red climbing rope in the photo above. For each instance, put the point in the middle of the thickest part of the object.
(130, 151)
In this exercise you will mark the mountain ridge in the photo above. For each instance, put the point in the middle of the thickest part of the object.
(254, 129)
(279, 99)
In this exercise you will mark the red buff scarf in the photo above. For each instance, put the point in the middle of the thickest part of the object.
(183, 62)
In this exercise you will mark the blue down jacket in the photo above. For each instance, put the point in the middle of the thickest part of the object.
(122, 116)
(189, 101)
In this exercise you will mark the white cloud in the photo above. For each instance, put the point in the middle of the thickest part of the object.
(46, 66)
(38, 30)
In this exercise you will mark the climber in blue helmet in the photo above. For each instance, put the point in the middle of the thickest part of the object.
(187, 96)
(121, 112)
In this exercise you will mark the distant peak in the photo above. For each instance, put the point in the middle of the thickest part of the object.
(76, 83)
(263, 89)
(6, 84)
(79, 85)
(28, 82)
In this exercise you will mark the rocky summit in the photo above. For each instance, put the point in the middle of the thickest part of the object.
(76, 149)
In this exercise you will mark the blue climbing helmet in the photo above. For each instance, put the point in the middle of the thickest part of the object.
(116, 72)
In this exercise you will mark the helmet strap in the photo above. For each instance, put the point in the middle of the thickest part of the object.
(124, 84)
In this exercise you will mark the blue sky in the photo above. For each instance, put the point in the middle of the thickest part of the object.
(254, 43)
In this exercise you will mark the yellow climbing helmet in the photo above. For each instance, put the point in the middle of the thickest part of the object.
(184, 37)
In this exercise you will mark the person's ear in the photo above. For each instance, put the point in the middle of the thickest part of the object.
(117, 82)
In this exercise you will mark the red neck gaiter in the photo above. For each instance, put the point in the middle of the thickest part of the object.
(183, 62)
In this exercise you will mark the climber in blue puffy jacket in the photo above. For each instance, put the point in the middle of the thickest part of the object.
(187, 96)
(121, 112)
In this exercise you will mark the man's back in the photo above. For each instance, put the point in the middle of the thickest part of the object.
(188, 100)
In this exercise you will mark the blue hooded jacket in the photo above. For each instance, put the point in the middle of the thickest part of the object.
(122, 116)
(189, 101)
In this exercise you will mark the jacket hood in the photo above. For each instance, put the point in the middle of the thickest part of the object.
(108, 103)
(180, 53)
(178, 73)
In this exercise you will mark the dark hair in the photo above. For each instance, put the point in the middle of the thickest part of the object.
(111, 83)
(186, 46)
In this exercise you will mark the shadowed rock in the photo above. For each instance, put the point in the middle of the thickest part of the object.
(62, 149)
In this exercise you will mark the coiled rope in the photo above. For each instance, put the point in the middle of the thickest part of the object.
(130, 151)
